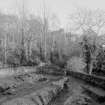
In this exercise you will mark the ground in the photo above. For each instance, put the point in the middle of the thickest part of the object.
(22, 87)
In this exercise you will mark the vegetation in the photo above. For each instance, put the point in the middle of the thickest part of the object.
(28, 41)
(76, 64)
(37, 57)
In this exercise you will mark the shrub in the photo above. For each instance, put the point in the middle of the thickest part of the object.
(76, 64)
(13, 58)
(58, 59)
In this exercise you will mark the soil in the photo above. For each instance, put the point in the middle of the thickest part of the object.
(22, 87)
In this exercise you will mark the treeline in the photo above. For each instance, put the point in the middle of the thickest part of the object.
(28, 41)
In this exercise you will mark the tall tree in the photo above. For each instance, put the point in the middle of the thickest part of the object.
(84, 19)
(90, 51)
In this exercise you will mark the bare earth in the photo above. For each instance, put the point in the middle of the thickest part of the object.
(28, 84)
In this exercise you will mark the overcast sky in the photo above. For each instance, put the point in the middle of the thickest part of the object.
(62, 8)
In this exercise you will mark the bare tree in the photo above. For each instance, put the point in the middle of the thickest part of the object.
(44, 31)
(22, 30)
(32, 32)
(84, 19)
(5, 41)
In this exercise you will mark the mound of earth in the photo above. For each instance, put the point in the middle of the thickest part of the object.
(40, 97)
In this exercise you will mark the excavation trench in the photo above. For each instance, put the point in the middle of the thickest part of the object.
(61, 97)
(75, 87)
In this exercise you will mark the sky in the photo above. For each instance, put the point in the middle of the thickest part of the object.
(61, 8)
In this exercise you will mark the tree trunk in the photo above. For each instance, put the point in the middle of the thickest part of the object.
(91, 68)
(28, 50)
